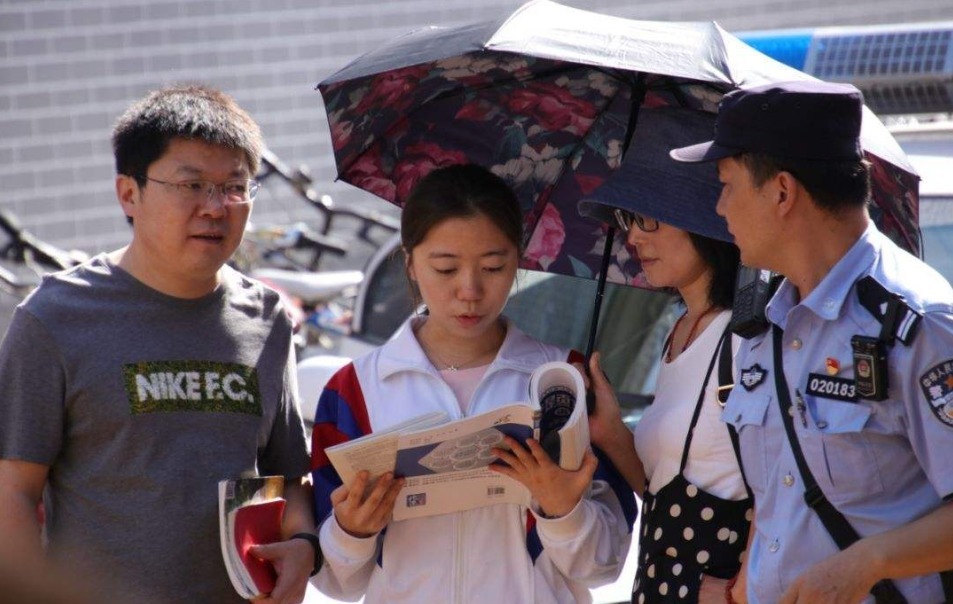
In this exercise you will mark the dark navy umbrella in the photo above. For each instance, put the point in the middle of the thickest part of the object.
(548, 97)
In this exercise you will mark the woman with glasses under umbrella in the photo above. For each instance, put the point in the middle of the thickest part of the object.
(696, 509)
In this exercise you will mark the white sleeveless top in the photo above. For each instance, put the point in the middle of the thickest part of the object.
(660, 434)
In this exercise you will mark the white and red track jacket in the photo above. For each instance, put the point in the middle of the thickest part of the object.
(496, 554)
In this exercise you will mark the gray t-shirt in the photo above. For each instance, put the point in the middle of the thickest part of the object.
(140, 403)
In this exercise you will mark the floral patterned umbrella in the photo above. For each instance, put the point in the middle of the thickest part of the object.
(548, 99)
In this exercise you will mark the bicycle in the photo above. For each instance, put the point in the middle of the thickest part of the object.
(288, 258)
(301, 181)
(24, 258)
(278, 245)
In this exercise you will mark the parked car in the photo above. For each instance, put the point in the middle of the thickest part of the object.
(929, 144)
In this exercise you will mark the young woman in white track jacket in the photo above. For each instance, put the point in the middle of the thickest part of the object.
(461, 231)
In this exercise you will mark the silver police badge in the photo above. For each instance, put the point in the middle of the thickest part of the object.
(752, 376)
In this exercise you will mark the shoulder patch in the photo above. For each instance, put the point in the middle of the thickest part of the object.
(752, 376)
(937, 386)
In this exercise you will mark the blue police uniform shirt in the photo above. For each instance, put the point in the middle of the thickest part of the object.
(881, 463)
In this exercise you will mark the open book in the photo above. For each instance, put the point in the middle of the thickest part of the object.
(250, 512)
(444, 462)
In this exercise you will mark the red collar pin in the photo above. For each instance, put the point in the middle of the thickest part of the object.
(833, 366)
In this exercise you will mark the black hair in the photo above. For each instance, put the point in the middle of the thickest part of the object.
(460, 191)
(143, 133)
(834, 185)
(722, 258)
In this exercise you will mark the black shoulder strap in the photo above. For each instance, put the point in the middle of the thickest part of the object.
(725, 384)
(897, 319)
(726, 371)
(698, 407)
(844, 535)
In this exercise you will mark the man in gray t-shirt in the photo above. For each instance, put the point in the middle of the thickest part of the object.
(135, 382)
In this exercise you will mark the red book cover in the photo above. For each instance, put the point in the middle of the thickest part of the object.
(258, 524)
(250, 513)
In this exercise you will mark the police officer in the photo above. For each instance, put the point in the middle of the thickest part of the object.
(844, 404)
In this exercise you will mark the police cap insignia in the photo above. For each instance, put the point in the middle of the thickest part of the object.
(937, 386)
(752, 376)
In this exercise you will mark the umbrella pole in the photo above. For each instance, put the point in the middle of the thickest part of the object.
(596, 309)
(638, 90)
(600, 293)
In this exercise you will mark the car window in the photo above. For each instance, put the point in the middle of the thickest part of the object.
(632, 326)
(388, 300)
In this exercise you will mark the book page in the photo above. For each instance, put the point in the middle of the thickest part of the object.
(418, 422)
(377, 456)
(376, 452)
(559, 390)
(446, 467)
(574, 436)
(445, 463)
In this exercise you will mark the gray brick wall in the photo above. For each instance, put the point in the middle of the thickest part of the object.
(69, 67)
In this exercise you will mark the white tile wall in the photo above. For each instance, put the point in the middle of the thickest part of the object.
(69, 67)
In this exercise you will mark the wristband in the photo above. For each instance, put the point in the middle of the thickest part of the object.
(316, 546)
(731, 583)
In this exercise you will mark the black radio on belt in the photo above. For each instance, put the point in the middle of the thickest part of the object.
(870, 367)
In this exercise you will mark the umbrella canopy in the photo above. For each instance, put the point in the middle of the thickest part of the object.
(548, 98)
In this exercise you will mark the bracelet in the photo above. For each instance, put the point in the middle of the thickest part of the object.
(316, 546)
(728, 587)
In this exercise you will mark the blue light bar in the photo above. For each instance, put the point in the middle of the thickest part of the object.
(901, 69)
(789, 47)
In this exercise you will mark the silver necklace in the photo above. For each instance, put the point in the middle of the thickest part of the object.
(454, 367)
(438, 360)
